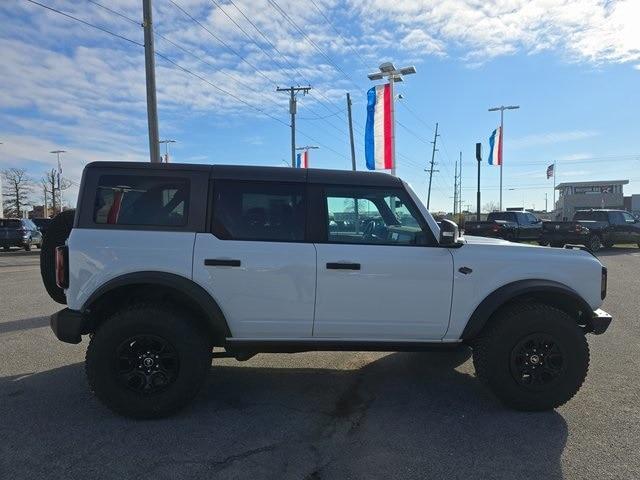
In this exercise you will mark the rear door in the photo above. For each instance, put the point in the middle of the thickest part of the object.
(380, 275)
(255, 261)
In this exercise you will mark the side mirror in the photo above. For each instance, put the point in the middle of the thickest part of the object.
(449, 234)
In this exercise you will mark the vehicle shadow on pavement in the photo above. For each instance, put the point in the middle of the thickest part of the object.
(399, 415)
(24, 324)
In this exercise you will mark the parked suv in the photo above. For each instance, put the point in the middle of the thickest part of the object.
(19, 232)
(164, 262)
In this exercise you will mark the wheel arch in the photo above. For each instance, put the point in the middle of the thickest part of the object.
(548, 292)
(156, 286)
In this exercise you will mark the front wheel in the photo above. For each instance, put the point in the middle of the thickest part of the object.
(147, 361)
(533, 356)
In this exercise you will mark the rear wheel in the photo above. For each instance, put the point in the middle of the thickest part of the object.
(147, 361)
(56, 236)
(6, 249)
(533, 357)
(27, 247)
(594, 243)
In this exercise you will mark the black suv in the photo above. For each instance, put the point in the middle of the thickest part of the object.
(19, 232)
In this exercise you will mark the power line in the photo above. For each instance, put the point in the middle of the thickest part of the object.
(284, 15)
(226, 45)
(88, 24)
(115, 12)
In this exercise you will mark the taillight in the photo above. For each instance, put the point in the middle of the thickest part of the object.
(603, 283)
(62, 266)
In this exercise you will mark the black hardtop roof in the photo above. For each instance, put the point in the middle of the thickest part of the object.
(278, 174)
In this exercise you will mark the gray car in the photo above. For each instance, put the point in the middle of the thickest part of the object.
(19, 232)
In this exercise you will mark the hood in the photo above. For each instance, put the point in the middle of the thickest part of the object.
(473, 240)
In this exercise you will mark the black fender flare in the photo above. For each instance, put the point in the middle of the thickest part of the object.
(187, 288)
(557, 293)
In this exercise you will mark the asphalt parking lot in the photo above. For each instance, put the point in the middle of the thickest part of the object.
(315, 415)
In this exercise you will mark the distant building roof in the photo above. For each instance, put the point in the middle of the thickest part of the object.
(592, 184)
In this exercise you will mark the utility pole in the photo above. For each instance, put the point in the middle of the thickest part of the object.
(479, 159)
(460, 187)
(150, 72)
(545, 202)
(433, 156)
(353, 148)
(455, 191)
(292, 110)
(502, 108)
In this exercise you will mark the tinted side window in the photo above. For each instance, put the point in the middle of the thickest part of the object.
(259, 211)
(141, 200)
(374, 216)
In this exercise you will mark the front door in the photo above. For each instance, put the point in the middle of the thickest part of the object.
(255, 262)
(380, 274)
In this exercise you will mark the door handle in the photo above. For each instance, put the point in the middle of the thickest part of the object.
(221, 262)
(465, 270)
(343, 266)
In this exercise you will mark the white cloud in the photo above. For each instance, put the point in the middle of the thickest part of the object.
(549, 138)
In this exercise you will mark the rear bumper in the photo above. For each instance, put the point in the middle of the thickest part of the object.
(600, 321)
(68, 325)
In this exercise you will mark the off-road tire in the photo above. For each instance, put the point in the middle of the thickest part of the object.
(190, 344)
(594, 243)
(494, 350)
(57, 235)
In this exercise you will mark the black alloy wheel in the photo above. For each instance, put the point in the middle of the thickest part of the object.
(537, 361)
(147, 364)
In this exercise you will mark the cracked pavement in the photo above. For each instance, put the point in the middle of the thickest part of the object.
(315, 415)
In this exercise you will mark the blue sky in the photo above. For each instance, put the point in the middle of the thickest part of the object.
(572, 65)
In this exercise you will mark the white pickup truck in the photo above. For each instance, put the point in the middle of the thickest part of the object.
(161, 263)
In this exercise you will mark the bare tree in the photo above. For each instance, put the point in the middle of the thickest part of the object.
(18, 187)
(52, 186)
(491, 207)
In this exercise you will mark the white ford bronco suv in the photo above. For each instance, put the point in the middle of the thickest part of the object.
(161, 263)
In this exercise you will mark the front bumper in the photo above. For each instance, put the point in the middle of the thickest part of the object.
(599, 322)
(68, 325)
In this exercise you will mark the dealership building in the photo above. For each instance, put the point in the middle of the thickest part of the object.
(583, 195)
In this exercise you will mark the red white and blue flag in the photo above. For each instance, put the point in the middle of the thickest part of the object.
(378, 135)
(495, 147)
(302, 159)
(550, 170)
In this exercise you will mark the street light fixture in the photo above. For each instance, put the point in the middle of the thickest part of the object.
(388, 70)
(166, 148)
(306, 148)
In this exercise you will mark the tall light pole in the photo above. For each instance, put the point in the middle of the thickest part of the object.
(166, 148)
(393, 74)
(1, 195)
(502, 108)
(306, 149)
(53, 193)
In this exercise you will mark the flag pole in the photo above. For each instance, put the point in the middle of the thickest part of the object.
(501, 147)
(393, 127)
(554, 186)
